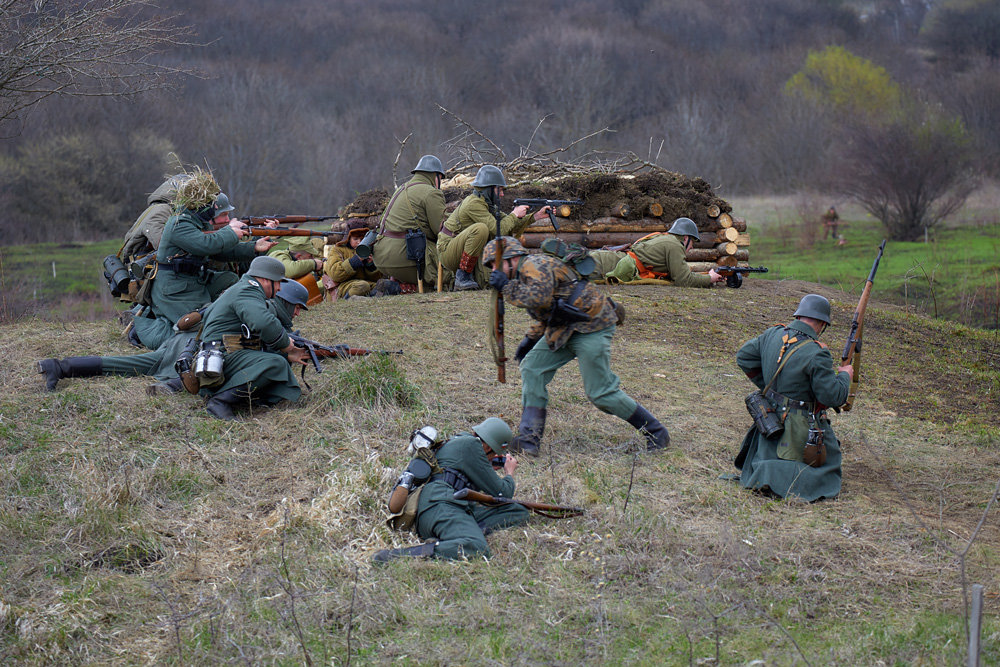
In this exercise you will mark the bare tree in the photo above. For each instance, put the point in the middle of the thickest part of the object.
(101, 48)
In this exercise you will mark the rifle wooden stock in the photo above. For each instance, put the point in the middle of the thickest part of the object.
(537, 508)
(257, 230)
(852, 349)
(289, 219)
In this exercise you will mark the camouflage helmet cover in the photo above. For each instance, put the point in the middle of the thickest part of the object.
(488, 176)
(511, 248)
(494, 432)
(814, 306)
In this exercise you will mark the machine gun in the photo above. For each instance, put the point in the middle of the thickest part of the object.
(562, 205)
(734, 274)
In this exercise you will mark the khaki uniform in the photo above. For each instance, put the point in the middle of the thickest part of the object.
(539, 282)
(144, 235)
(467, 231)
(459, 525)
(417, 204)
(350, 281)
(663, 257)
(807, 385)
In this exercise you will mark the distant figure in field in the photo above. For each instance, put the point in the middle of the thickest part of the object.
(830, 223)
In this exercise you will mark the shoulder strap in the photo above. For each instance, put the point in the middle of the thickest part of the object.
(782, 364)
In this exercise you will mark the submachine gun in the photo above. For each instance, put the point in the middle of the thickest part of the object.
(734, 274)
(561, 205)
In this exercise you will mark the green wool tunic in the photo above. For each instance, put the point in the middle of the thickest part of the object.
(808, 375)
(459, 525)
(267, 374)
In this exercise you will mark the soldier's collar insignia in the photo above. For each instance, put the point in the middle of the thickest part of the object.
(253, 282)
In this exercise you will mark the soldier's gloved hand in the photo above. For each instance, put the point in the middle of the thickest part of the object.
(524, 347)
(356, 263)
(370, 264)
(498, 279)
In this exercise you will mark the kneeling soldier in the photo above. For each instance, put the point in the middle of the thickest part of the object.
(460, 526)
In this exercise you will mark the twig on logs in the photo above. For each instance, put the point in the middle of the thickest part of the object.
(395, 164)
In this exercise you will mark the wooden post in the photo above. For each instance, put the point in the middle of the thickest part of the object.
(975, 624)
(440, 278)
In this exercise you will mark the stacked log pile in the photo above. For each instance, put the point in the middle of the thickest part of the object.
(618, 209)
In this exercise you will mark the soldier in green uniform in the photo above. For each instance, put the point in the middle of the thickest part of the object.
(300, 256)
(251, 375)
(659, 256)
(572, 319)
(350, 274)
(184, 279)
(160, 363)
(459, 526)
(804, 387)
(470, 226)
(416, 207)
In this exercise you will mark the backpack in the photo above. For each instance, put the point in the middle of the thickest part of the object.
(405, 496)
(573, 254)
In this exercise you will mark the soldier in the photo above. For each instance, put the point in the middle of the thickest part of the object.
(300, 256)
(797, 372)
(659, 256)
(144, 235)
(830, 222)
(572, 319)
(410, 226)
(251, 375)
(460, 526)
(160, 363)
(184, 279)
(470, 226)
(350, 274)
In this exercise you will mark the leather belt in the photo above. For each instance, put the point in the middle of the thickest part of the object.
(394, 235)
(448, 232)
(789, 403)
(452, 478)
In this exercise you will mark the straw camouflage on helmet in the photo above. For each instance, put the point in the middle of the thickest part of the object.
(488, 176)
(494, 432)
(814, 306)
(511, 248)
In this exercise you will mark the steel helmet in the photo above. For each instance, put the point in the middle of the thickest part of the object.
(268, 268)
(429, 163)
(294, 293)
(684, 227)
(222, 204)
(511, 248)
(488, 176)
(494, 432)
(814, 306)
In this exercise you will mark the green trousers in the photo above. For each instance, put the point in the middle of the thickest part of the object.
(593, 354)
(459, 526)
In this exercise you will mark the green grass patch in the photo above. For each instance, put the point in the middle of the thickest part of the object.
(374, 381)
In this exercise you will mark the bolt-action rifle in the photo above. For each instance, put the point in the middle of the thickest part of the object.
(258, 229)
(852, 350)
(551, 511)
(288, 219)
(498, 308)
(562, 205)
(319, 351)
(734, 274)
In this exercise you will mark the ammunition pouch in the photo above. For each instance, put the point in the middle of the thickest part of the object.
(186, 265)
(416, 248)
(452, 478)
(564, 312)
(233, 342)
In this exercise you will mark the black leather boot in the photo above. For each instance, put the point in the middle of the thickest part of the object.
(171, 386)
(655, 432)
(425, 550)
(70, 367)
(221, 405)
(465, 281)
(529, 433)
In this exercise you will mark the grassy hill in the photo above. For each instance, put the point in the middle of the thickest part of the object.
(139, 530)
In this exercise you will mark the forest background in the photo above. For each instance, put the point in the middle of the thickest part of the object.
(299, 106)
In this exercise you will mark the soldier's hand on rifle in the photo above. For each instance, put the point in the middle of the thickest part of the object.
(542, 213)
(319, 263)
(242, 231)
(849, 369)
(264, 244)
(498, 279)
(296, 354)
(715, 276)
(271, 223)
(520, 211)
(510, 465)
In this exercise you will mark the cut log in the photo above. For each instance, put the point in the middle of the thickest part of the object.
(594, 240)
(655, 210)
(713, 211)
(563, 211)
(725, 220)
(729, 234)
(727, 248)
(641, 226)
(742, 240)
(727, 260)
(742, 255)
(740, 224)
(620, 210)
(699, 255)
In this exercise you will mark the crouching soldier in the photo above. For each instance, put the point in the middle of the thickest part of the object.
(460, 526)
(242, 327)
(572, 319)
